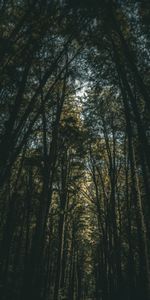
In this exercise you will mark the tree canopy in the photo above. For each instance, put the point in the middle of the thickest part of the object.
(74, 150)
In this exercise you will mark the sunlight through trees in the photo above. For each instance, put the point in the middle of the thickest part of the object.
(74, 150)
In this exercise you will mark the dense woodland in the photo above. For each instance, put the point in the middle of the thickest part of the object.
(74, 150)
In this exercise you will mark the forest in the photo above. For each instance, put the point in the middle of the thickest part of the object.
(74, 150)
